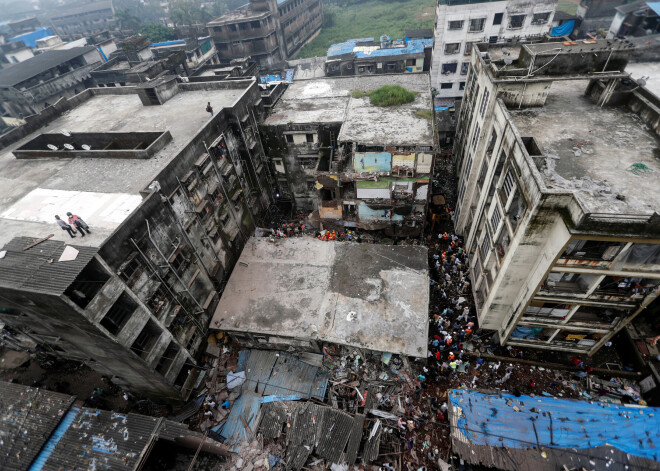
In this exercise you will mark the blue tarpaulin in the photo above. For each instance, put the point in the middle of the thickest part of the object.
(655, 6)
(30, 39)
(492, 420)
(412, 46)
(563, 30)
(285, 76)
(168, 43)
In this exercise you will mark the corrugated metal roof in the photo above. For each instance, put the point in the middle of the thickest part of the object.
(32, 270)
(245, 408)
(38, 64)
(355, 439)
(544, 433)
(269, 372)
(334, 434)
(100, 439)
(273, 415)
(28, 416)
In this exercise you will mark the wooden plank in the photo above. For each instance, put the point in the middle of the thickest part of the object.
(38, 241)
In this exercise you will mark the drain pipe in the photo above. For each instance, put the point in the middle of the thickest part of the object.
(185, 287)
(174, 296)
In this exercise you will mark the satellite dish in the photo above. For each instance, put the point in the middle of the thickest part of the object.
(508, 60)
(86, 147)
(65, 132)
(51, 147)
(641, 82)
(68, 146)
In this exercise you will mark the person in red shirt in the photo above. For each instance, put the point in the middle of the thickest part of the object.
(75, 220)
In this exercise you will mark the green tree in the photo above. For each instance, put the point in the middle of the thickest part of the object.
(187, 12)
(158, 33)
(127, 21)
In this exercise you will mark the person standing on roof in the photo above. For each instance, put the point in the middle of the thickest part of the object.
(65, 227)
(79, 223)
(209, 108)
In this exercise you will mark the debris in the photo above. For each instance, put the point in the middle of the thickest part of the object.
(234, 380)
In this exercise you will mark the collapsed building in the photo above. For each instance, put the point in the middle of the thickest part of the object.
(357, 164)
(269, 31)
(170, 193)
(556, 152)
(306, 295)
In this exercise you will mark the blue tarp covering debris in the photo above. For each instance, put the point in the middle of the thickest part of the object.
(168, 43)
(563, 30)
(412, 46)
(285, 76)
(346, 47)
(655, 6)
(505, 420)
(30, 39)
(270, 376)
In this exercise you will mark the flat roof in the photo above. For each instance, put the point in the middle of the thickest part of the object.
(361, 295)
(610, 141)
(103, 192)
(238, 15)
(329, 100)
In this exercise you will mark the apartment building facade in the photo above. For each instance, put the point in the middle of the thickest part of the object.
(77, 22)
(354, 164)
(459, 24)
(557, 197)
(268, 31)
(171, 195)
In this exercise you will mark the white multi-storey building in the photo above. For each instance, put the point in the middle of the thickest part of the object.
(558, 195)
(461, 23)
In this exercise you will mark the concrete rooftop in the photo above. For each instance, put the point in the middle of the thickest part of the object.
(329, 100)
(103, 192)
(305, 289)
(599, 177)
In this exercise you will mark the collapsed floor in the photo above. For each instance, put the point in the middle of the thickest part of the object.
(382, 411)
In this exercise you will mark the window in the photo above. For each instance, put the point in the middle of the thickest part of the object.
(309, 138)
(592, 250)
(453, 25)
(289, 138)
(516, 21)
(449, 68)
(349, 66)
(391, 66)
(217, 29)
(492, 39)
(477, 25)
(485, 245)
(475, 136)
(508, 185)
(446, 85)
(540, 18)
(461, 85)
(452, 48)
(484, 102)
(468, 49)
(118, 314)
(146, 340)
(497, 19)
(468, 166)
(464, 68)
(495, 218)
